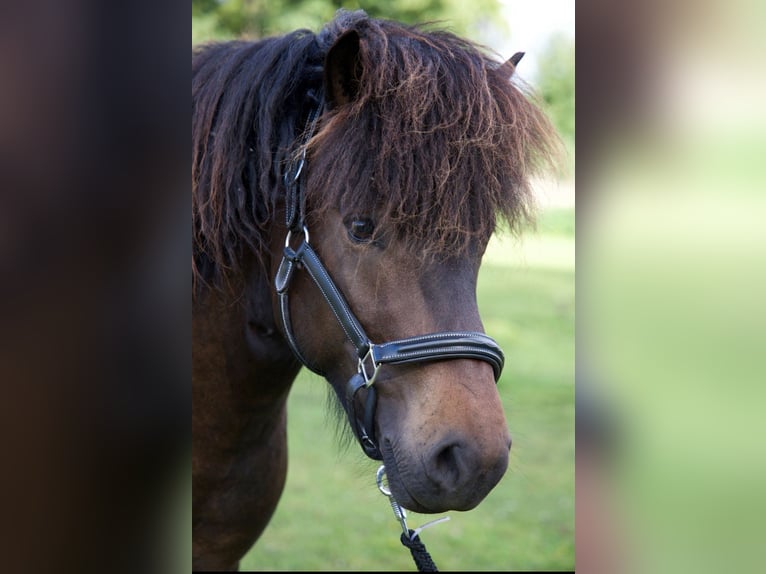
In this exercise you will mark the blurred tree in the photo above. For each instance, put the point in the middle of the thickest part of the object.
(226, 19)
(556, 84)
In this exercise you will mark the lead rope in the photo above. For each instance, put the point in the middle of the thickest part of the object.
(410, 538)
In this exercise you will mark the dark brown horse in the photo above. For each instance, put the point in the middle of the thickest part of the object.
(344, 188)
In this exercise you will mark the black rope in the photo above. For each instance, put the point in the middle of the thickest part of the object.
(422, 558)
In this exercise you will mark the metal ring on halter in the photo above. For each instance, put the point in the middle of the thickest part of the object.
(289, 233)
(379, 479)
(369, 380)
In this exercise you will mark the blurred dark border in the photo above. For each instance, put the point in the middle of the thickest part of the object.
(94, 307)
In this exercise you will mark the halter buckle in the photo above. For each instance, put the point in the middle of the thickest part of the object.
(290, 232)
(367, 363)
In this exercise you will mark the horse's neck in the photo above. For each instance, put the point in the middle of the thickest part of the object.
(237, 348)
(241, 375)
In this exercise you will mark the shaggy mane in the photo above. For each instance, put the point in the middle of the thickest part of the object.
(439, 144)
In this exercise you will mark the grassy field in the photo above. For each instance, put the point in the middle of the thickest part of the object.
(332, 517)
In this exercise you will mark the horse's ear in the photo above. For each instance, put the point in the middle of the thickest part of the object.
(342, 70)
(509, 67)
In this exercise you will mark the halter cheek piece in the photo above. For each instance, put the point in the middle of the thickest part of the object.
(370, 356)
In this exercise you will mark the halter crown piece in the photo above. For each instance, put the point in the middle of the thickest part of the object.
(370, 356)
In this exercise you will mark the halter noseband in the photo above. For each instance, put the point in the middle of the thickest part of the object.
(370, 356)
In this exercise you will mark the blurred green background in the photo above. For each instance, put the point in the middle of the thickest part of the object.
(331, 515)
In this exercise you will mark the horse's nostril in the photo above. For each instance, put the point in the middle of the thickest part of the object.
(445, 458)
(448, 464)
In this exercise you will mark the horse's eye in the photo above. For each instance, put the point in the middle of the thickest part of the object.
(360, 229)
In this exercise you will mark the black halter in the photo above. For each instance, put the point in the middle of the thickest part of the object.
(371, 356)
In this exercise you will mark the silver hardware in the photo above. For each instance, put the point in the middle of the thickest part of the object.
(289, 233)
(399, 512)
(301, 163)
(362, 368)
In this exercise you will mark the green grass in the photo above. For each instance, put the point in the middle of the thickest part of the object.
(331, 515)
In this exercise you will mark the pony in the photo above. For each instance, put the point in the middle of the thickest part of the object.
(345, 185)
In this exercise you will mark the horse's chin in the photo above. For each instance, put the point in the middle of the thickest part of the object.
(415, 493)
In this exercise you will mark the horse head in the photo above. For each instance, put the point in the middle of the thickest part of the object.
(413, 145)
